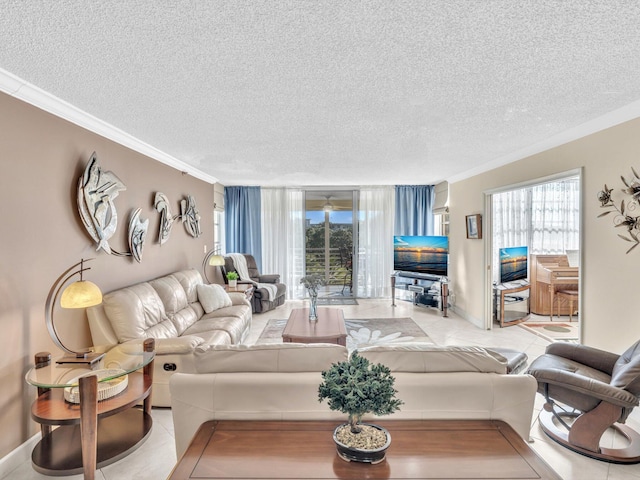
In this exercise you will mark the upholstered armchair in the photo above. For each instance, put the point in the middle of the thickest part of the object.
(268, 292)
(599, 387)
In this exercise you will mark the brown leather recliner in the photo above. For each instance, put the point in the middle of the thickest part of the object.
(601, 389)
(261, 301)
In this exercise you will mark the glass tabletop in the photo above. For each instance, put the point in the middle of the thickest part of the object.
(117, 362)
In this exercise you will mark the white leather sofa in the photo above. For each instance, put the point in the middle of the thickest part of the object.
(280, 382)
(180, 312)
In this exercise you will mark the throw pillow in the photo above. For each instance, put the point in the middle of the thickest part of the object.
(213, 297)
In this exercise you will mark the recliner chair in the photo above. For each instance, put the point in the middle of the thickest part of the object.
(600, 387)
(260, 301)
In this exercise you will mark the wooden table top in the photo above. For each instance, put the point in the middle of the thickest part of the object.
(420, 449)
(330, 325)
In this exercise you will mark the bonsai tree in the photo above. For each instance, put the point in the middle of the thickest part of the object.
(357, 387)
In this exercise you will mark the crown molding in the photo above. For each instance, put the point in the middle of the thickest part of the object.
(22, 90)
(608, 120)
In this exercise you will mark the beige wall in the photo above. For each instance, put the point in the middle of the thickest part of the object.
(610, 302)
(41, 158)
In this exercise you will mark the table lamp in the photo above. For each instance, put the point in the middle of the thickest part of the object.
(79, 294)
(214, 259)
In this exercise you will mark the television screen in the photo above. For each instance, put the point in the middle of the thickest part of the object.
(421, 254)
(513, 264)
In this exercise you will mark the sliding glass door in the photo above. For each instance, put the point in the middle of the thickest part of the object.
(329, 240)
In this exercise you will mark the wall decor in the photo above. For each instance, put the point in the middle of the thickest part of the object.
(96, 192)
(626, 214)
(161, 204)
(190, 216)
(137, 234)
(474, 226)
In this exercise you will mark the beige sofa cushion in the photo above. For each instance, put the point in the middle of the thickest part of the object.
(235, 326)
(140, 303)
(282, 357)
(189, 279)
(175, 302)
(421, 358)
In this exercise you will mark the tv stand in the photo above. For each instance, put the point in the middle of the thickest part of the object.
(420, 285)
(511, 304)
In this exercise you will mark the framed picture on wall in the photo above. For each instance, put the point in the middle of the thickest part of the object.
(474, 226)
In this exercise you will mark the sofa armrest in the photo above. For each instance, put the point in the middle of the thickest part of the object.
(101, 331)
(239, 298)
(269, 278)
(592, 357)
(587, 386)
(166, 346)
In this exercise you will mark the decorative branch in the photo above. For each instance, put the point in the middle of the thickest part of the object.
(623, 214)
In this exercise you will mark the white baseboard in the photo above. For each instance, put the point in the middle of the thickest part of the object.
(469, 318)
(18, 456)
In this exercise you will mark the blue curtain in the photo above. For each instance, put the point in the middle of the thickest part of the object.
(243, 232)
(414, 210)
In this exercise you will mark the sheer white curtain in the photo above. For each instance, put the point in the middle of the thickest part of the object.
(283, 236)
(375, 241)
(555, 217)
(544, 217)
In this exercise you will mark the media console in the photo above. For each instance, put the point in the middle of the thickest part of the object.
(428, 290)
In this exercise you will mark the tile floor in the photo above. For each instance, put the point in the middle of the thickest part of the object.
(156, 457)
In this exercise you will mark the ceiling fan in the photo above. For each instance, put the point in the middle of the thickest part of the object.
(328, 206)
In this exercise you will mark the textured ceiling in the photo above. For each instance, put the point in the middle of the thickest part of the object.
(331, 92)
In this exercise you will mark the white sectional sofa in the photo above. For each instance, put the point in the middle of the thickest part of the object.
(180, 312)
(280, 382)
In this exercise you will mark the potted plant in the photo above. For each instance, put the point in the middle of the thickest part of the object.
(232, 278)
(357, 387)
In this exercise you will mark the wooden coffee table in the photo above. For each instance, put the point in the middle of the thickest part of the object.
(420, 449)
(329, 328)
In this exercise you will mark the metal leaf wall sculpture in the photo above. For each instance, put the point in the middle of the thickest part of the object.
(626, 213)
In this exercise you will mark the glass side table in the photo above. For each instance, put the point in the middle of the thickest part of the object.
(91, 433)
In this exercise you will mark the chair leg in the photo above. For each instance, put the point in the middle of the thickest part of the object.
(584, 435)
(589, 427)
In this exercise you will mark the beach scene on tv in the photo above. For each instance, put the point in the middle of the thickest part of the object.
(421, 254)
(513, 264)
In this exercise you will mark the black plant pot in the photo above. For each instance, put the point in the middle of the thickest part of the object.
(351, 454)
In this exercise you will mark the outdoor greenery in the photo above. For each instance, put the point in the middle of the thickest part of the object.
(357, 387)
(341, 242)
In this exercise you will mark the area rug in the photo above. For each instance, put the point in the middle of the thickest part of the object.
(361, 332)
(337, 301)
(554, 331)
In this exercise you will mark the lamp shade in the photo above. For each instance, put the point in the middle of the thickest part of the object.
(81, 294)
(216, 260)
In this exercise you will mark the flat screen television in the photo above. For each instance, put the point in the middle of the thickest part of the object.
(514, 262)
(421, 254)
